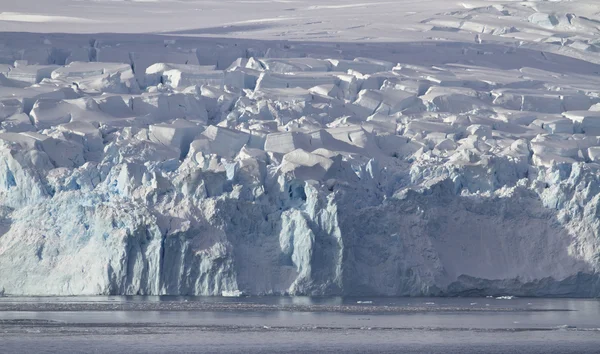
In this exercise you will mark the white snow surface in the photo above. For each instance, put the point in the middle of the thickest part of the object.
(300, 147)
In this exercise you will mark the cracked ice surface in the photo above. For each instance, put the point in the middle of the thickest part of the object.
(454, 154)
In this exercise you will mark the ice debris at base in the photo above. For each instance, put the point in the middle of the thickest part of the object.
(231, 293)
(216, 167)
(505, 297)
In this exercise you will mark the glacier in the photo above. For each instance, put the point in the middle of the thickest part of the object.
(160, 164)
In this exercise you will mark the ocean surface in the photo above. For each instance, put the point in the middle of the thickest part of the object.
(298, 325)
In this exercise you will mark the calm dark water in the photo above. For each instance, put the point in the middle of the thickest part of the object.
(298, 325)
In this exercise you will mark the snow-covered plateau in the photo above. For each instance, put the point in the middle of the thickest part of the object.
(300, 147)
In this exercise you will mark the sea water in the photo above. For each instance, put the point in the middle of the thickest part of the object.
(298, 325)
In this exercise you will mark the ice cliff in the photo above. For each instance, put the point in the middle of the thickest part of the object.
(284, 173)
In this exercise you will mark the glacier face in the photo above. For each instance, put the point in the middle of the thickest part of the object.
(202, 167)
(200, 231)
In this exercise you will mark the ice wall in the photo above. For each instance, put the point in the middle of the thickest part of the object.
(197, 167)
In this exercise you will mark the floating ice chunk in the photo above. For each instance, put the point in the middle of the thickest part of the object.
(231, 293)
(506, 297)
(364, 302)
(565, 327)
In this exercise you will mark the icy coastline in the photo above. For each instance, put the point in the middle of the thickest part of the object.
(206, 167)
